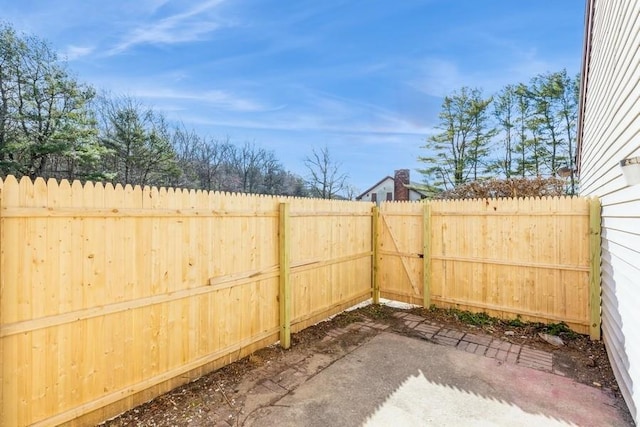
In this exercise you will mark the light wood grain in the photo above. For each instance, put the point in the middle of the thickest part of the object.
(507, 257)
(109, 295)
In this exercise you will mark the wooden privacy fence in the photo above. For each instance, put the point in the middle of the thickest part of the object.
(537, 258)
(111, 296)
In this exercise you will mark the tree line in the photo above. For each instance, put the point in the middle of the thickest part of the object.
(524, 130)
(54, 126)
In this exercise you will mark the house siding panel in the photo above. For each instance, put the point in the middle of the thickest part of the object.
(415, 196)
(610, 133)
(380, 190)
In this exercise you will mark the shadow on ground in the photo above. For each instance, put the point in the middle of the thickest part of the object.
(383, 367)
(398, 380)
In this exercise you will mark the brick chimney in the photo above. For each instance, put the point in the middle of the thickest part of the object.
(400, 179)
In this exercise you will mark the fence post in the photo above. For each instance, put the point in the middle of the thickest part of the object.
(375, 284)
(426, 255)
(594, 272)
(284, 297)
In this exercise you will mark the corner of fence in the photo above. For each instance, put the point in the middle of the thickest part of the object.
(595, 211)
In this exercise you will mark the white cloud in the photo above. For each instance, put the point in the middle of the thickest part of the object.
(438, 77)
(186, 26)
(318, 122)
(528, 64)
(155, 4)
(217, 98)
(73, 52)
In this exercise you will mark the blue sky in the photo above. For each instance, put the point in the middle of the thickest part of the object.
(364, 78)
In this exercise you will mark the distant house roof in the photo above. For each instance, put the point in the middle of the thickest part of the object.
(374, 186)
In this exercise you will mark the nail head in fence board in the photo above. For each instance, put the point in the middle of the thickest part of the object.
(285, 283)
(594, 262)
(374, 258)
(426, 256)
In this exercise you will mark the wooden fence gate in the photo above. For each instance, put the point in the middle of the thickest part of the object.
(401, 249)
(536, 258)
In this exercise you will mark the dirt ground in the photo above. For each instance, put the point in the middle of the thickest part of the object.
(219, 397)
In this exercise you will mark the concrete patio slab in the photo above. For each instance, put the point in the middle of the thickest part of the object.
(402, 381)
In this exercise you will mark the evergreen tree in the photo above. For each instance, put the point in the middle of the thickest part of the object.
(45, 119)
(522, 147)
(138, 140)
(459, 152)
(505, 110)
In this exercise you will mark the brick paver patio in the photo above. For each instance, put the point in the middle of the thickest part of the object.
(483, 345)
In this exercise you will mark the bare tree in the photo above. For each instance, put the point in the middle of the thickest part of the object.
(273, 175)
(213, 155)
(351, 192)
(326, 180)
(187, 145)
(200, 159)
(247, 163)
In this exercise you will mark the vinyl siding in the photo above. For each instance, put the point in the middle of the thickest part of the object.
(610, 133)
(381, 189)
(414, 196)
